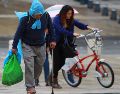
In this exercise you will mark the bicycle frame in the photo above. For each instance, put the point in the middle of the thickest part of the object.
(81, 65)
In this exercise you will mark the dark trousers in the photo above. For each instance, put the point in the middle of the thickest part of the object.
(58, 60)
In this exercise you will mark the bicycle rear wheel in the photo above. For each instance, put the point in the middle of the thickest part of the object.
(107, 76)
(71, 79)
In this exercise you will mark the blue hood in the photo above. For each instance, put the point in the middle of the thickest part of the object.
(36, 8)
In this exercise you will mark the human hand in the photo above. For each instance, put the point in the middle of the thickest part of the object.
(92, 28)
(46, 31)
(52, 45)
(76, 34)
(14, 51)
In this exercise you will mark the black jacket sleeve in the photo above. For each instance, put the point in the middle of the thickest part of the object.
(18, 33)
(51, 30)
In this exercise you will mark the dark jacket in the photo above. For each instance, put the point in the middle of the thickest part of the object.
(34, 37)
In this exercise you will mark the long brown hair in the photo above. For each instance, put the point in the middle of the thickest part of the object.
(63, 14)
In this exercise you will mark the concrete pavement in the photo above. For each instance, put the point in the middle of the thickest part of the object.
(112, 4)
(53, 2)
(111, 28)
(88, 85)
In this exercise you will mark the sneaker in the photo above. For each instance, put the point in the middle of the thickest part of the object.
(31, 90)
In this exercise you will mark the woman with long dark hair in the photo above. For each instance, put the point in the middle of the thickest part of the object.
(64, 24)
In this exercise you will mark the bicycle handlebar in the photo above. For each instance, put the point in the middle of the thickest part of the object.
(98, 39)
(89, 34)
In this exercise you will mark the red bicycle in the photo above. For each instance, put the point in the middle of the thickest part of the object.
(104, 73)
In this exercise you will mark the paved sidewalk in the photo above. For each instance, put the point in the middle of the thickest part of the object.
(53, 2)
(112, 4)
(88, 85)
(111, 28)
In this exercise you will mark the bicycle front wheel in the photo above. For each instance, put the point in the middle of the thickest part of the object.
(71, 79)
(107, 75)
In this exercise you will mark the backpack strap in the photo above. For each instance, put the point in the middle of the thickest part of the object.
(28, 17)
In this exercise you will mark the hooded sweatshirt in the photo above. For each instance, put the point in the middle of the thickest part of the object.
(31, 31)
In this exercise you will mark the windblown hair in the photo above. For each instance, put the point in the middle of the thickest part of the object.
(63, 14)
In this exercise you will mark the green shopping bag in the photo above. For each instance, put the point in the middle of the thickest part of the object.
(12, 72)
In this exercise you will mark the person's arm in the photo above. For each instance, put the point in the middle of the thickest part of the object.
(60, 28)
(80, 25)
(51, 33)
(18, 33)
(47, 39)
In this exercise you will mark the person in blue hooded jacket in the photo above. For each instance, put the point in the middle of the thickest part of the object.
(31, 31)
(64, 24)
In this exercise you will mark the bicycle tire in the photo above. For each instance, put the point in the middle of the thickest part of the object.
(69, 82)
(111, 72)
